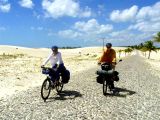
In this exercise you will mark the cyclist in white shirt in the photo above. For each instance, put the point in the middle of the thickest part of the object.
(56, 61)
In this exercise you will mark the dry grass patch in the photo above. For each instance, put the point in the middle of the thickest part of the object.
(11, 56)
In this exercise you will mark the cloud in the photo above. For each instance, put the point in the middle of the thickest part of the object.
(37, 28)
(146, 26)
(69, 34)
(147, 19)
(127, 37)
(124, 15)
(2, 28)
(60, 8)
(145, 22)
(123, 34)
(40, 28)
(50, 33)
(92, 26)
(5, 6)
(101, 9)
(149, 12)
(86, 30)
(86, 13)
(26, 3)
(37, 15)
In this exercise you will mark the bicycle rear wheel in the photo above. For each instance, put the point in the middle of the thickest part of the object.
(46, 89)
(59, 85)
(105, 84)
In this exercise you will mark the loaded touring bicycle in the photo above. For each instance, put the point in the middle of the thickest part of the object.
(107, 76)
(48, 84)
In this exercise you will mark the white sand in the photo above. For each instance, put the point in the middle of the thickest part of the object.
(154, 61)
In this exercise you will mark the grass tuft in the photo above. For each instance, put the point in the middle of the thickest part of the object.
(11, 56)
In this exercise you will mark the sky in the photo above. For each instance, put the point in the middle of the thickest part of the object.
(43, 23)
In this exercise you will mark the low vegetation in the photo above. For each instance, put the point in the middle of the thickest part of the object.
(148, 46)
(68, 47)
(11, 56)
(126, 51)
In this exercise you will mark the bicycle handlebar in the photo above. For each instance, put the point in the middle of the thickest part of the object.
(104, 64)
(45, 67)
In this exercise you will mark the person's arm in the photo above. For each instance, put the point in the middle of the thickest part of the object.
(114, 57)
(59, 57)
(46, 61)
(101, 58)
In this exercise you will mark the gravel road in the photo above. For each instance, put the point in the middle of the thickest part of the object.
(82, 98)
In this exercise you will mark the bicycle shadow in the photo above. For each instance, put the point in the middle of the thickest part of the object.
(121, 92)
(66, 95)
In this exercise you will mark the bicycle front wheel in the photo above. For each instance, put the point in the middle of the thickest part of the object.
(105, 84)
(46, 89)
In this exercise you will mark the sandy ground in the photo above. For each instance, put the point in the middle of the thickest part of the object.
(82, 97)
(20, 66)
(154, 61)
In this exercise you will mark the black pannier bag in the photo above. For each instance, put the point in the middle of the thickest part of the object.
(99, 79)
(115, 73)
(111, 74)
(116, 78)
(106, 66)
(47, 71)
(65, 76)
(105, 73)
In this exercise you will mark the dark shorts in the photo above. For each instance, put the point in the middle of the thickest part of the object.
(55, 74)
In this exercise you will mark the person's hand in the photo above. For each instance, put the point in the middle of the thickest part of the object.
(114, 63)
(57, 66)
(99, 63)
(42, 66)
(55, 69)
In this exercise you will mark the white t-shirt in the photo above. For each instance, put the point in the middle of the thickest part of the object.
(54, 59)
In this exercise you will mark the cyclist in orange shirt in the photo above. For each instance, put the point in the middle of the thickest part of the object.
(109, 56)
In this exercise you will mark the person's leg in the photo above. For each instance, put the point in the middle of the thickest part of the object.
(113, 66)
(56, 75)
(61, 68)
(112, 85)
(52, 75)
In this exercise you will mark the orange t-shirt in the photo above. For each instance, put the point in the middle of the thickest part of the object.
(108, 56)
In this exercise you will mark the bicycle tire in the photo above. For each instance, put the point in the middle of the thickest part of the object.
(48, 88)
(105, 85)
